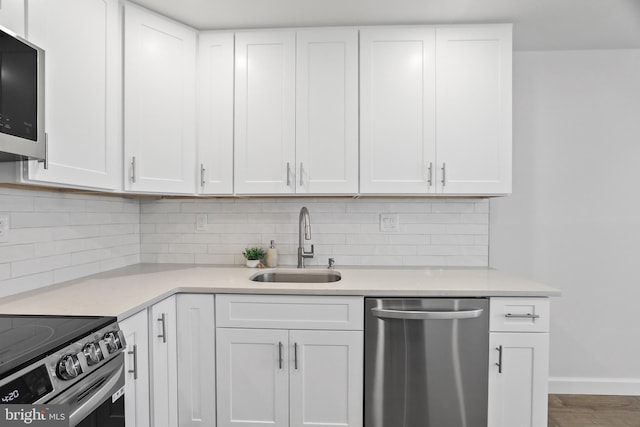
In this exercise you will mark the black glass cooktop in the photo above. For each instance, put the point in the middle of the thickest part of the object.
(25, 338)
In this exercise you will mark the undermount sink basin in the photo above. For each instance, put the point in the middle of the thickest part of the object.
(308, 276)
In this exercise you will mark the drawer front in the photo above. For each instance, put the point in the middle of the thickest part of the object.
(519, 315)
(289, 312)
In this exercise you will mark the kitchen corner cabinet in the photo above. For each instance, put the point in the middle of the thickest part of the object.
(435, 110)
(82, 92)
(296, 120)
(159, 104)
(136, 365)
(289, 360)
(518, 362)
(215, 112)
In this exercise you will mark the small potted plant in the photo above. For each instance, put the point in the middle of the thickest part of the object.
(253, 256)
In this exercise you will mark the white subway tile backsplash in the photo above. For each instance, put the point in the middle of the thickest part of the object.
(432, 232)
(55, 237)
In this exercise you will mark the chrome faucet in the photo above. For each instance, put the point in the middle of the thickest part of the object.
(304, 221)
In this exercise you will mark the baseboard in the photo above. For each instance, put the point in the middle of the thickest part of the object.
(606, 386)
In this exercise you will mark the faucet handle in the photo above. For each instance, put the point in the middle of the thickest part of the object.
(308, 254)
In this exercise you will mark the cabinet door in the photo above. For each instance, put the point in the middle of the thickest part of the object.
(253, 377)
(215, 113)
(82, 91)
(164, 383)
(12, 15)
(265, 112)
(159, 103)
(473, 92)
(136, 365)
(518, 371)
(327, 111)
(326, 378)
(196, 361)
(397, 110)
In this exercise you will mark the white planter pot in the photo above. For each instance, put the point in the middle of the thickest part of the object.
(253, 263)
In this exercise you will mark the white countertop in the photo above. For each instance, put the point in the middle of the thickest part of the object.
(127, 290)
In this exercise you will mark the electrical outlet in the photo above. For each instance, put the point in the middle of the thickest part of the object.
(4, 229)
(389, 223)
(201, 222)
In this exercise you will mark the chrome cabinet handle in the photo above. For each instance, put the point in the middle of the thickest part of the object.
(288, 175)
(280, 354)
(134, 353)
(301, 183)
(499, 364)
(202, 171)
(430, 169)
(522, 316)
(132, 177)
(444, 174)
(163, 335)
(295, 356)
(425, 315)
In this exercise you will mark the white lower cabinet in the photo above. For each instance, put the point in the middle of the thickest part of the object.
(288, 377)
(518, 362)
(136, 365)
(196, 360)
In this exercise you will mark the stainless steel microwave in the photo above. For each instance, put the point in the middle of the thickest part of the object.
(22, 134)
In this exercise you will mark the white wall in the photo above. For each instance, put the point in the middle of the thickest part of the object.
(55, 237)
(433, 232)
(573, 221)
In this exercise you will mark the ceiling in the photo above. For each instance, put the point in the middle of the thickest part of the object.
(538, 24)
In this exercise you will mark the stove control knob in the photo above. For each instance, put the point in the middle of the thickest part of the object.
(112, 340)
(92, 352)
(69, 367)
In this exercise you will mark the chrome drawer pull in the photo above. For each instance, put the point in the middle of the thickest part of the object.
(522, 316)
(499, 364)
(134, 353)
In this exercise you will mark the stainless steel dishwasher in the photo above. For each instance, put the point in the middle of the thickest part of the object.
(426, 362)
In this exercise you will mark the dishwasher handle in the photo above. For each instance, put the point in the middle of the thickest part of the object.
(384, 313)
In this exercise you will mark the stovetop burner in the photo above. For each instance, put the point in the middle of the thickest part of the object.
(24, 338)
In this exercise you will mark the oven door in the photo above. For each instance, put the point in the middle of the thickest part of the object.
(90, 402)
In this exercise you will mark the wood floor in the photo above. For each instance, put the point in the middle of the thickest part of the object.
(568, 410)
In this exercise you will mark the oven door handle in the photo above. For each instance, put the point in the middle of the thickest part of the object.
(85, 397)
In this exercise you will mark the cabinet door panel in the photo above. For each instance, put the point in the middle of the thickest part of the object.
(164, 381)
(518, 394)
(136, 365)
(82, 88)
(326, 378)
(397, 104)
(265, 112)
(327, 111)
(253, 378)
(473, 81)
(159, 103)
(215, 113)
(196, 360)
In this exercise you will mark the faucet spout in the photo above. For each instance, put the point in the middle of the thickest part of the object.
(304, 228)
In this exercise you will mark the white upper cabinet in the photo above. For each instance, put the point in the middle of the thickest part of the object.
(12, 15)
(435, 110)
(327, 111)
(159, 103)
(473, 109)
(265, 112)
(82, 91)
(296, 122)
(397, 110)
(215, 113)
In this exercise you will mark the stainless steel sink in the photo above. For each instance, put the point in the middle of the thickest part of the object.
(304, 276)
